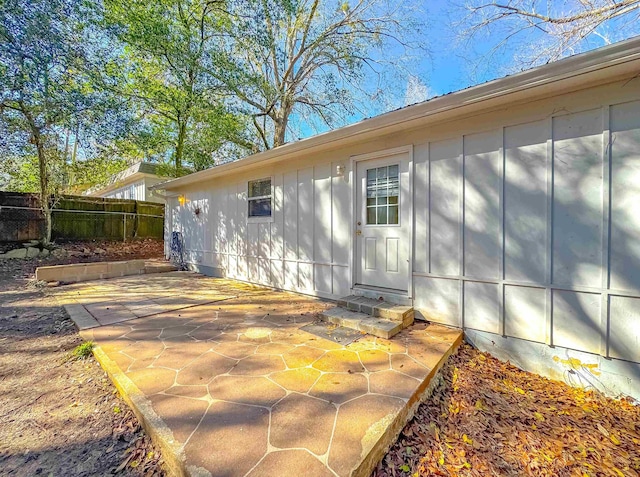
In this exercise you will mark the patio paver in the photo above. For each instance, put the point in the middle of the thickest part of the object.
(243, 390)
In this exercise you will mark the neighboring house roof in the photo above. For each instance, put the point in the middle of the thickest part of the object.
(131, 174)
(594, 67)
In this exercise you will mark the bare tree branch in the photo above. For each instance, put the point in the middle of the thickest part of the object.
(564, 25)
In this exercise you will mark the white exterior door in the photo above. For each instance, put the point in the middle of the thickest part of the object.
(383, 222)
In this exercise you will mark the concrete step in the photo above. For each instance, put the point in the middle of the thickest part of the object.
(159, 267)
(355, 320)
(379, 309)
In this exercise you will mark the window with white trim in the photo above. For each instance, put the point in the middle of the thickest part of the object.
(259, 198)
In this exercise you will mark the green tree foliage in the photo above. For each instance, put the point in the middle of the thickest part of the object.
(187, 83)
(46, 52)
(166, 67)
(39, 58)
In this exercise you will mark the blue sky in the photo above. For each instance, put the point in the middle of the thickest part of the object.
(451, 64)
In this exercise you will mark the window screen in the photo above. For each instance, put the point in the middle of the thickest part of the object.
(259, 198)
(383, 190)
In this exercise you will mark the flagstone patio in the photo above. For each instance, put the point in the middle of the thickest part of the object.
(244, 391)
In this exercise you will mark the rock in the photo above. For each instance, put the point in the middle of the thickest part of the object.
(59, 253)
(16, 253)
(33, 252)
(31, 243)
(53, 284)
(100, 251)
(86, 251)
(44, 252)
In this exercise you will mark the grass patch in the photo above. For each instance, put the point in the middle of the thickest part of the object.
(83, 350)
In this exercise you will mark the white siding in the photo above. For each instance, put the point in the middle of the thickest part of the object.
(539, 214)
(138, 190)
(525, 185)
(303, 248)
(133, 191)
(526, 222)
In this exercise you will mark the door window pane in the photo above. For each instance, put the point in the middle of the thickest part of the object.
(383, 189)
(371, 215)
(393, 214)
(382, 215)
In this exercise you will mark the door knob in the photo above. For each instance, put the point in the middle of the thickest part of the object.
(358, 232)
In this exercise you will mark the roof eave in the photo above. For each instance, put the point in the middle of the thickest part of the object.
(136, 176)
(582, 65)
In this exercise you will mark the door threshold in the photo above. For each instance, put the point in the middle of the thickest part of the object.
(391, 295)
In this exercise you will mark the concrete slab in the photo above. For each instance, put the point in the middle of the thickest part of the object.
(81, 317)
(235, 387)
(331, 332)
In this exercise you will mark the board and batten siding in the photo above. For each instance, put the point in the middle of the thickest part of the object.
(532, 231)
(526, 228)
(305, 247)
(134, 191)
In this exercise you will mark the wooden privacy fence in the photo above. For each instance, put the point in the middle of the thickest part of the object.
(79, 218)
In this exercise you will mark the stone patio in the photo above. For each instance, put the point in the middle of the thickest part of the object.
(245, 392)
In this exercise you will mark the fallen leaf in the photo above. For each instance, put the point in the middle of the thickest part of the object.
(602, 430)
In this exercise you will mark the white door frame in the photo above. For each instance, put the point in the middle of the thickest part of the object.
(408, 149)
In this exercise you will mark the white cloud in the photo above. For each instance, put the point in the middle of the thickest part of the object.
(416, 91)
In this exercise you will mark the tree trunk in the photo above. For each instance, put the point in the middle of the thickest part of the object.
(182, 133)
(72, 177)
(44, 183)
(37, 140)
(280, 121)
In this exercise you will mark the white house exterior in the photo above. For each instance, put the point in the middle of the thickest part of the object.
(133, 183)
(510, 209)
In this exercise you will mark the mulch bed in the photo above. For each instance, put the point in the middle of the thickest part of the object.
(489, 418)
(61, 416)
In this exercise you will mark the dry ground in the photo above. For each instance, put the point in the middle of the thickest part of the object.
(77, 252)
(61, 416)
(488, 418)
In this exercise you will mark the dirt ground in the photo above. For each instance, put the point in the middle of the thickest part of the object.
(488, 418)
(77, 252)
(62, 416)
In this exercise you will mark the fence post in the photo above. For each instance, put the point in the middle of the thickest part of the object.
(124, 227)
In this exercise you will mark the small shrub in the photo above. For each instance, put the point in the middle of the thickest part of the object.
(83, 351)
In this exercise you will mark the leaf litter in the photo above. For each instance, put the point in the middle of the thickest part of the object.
(489, 418)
